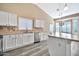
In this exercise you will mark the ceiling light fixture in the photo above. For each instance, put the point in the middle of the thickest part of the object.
(66, 7)
(59, 12)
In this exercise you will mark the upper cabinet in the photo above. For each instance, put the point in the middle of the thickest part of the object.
(8, 19)
(12, 19)
(3, 18)
(39, 23)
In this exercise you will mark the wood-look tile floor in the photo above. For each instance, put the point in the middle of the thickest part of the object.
(37, 49)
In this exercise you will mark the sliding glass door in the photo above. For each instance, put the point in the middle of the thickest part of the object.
(57, 33)
(75, 28)
(75, 25)
(66, 28)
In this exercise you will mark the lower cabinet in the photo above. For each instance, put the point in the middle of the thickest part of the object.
(44, 36)
(59, 46)
(68, 47)
(9, 42)
(25, 39)
(14, 41)
(28, 38)
(19, 40)
(5, 42)
(74, 48)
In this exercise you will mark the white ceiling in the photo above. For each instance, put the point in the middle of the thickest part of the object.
(51, 9)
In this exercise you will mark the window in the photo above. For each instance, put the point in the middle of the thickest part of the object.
(51, 28)
(63, 27)
(66, 26)
(57, 27)
(25, 24)
(75, 25)
(57, 33)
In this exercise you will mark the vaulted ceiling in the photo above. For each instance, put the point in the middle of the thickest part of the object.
(51, 9)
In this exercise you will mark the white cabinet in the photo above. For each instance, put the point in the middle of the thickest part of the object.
(74, 48)
(4, 42)
(25, 39)
(57, 47)
(28, 38)
(39, 23)
(42, 23)
(68, 48)
(14, 41)
(13, 38)
(19, 40)
(3, 18)
(60, 46)
(44, 36)
(12, 19)
(9, 42)
(8, 19)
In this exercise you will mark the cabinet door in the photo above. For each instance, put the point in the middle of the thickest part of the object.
(43, 36)
(57, 46)
(25, 39)
(7, 42)
(68, 48)
(3, 18)
(10, 42)
(13, 38)
(74, 48)
(42, 23)
(37, 23)
(12, 19)
(30, 38)
(4, 43)
(19, 40)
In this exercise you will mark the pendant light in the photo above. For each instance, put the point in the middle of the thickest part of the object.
(66, 7)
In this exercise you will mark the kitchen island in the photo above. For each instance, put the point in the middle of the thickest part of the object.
(63, 46)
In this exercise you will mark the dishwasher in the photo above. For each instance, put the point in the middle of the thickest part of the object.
(36, 37)
(1, 45)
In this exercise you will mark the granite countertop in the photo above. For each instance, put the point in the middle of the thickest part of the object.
(61, 37)
(13, 33)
